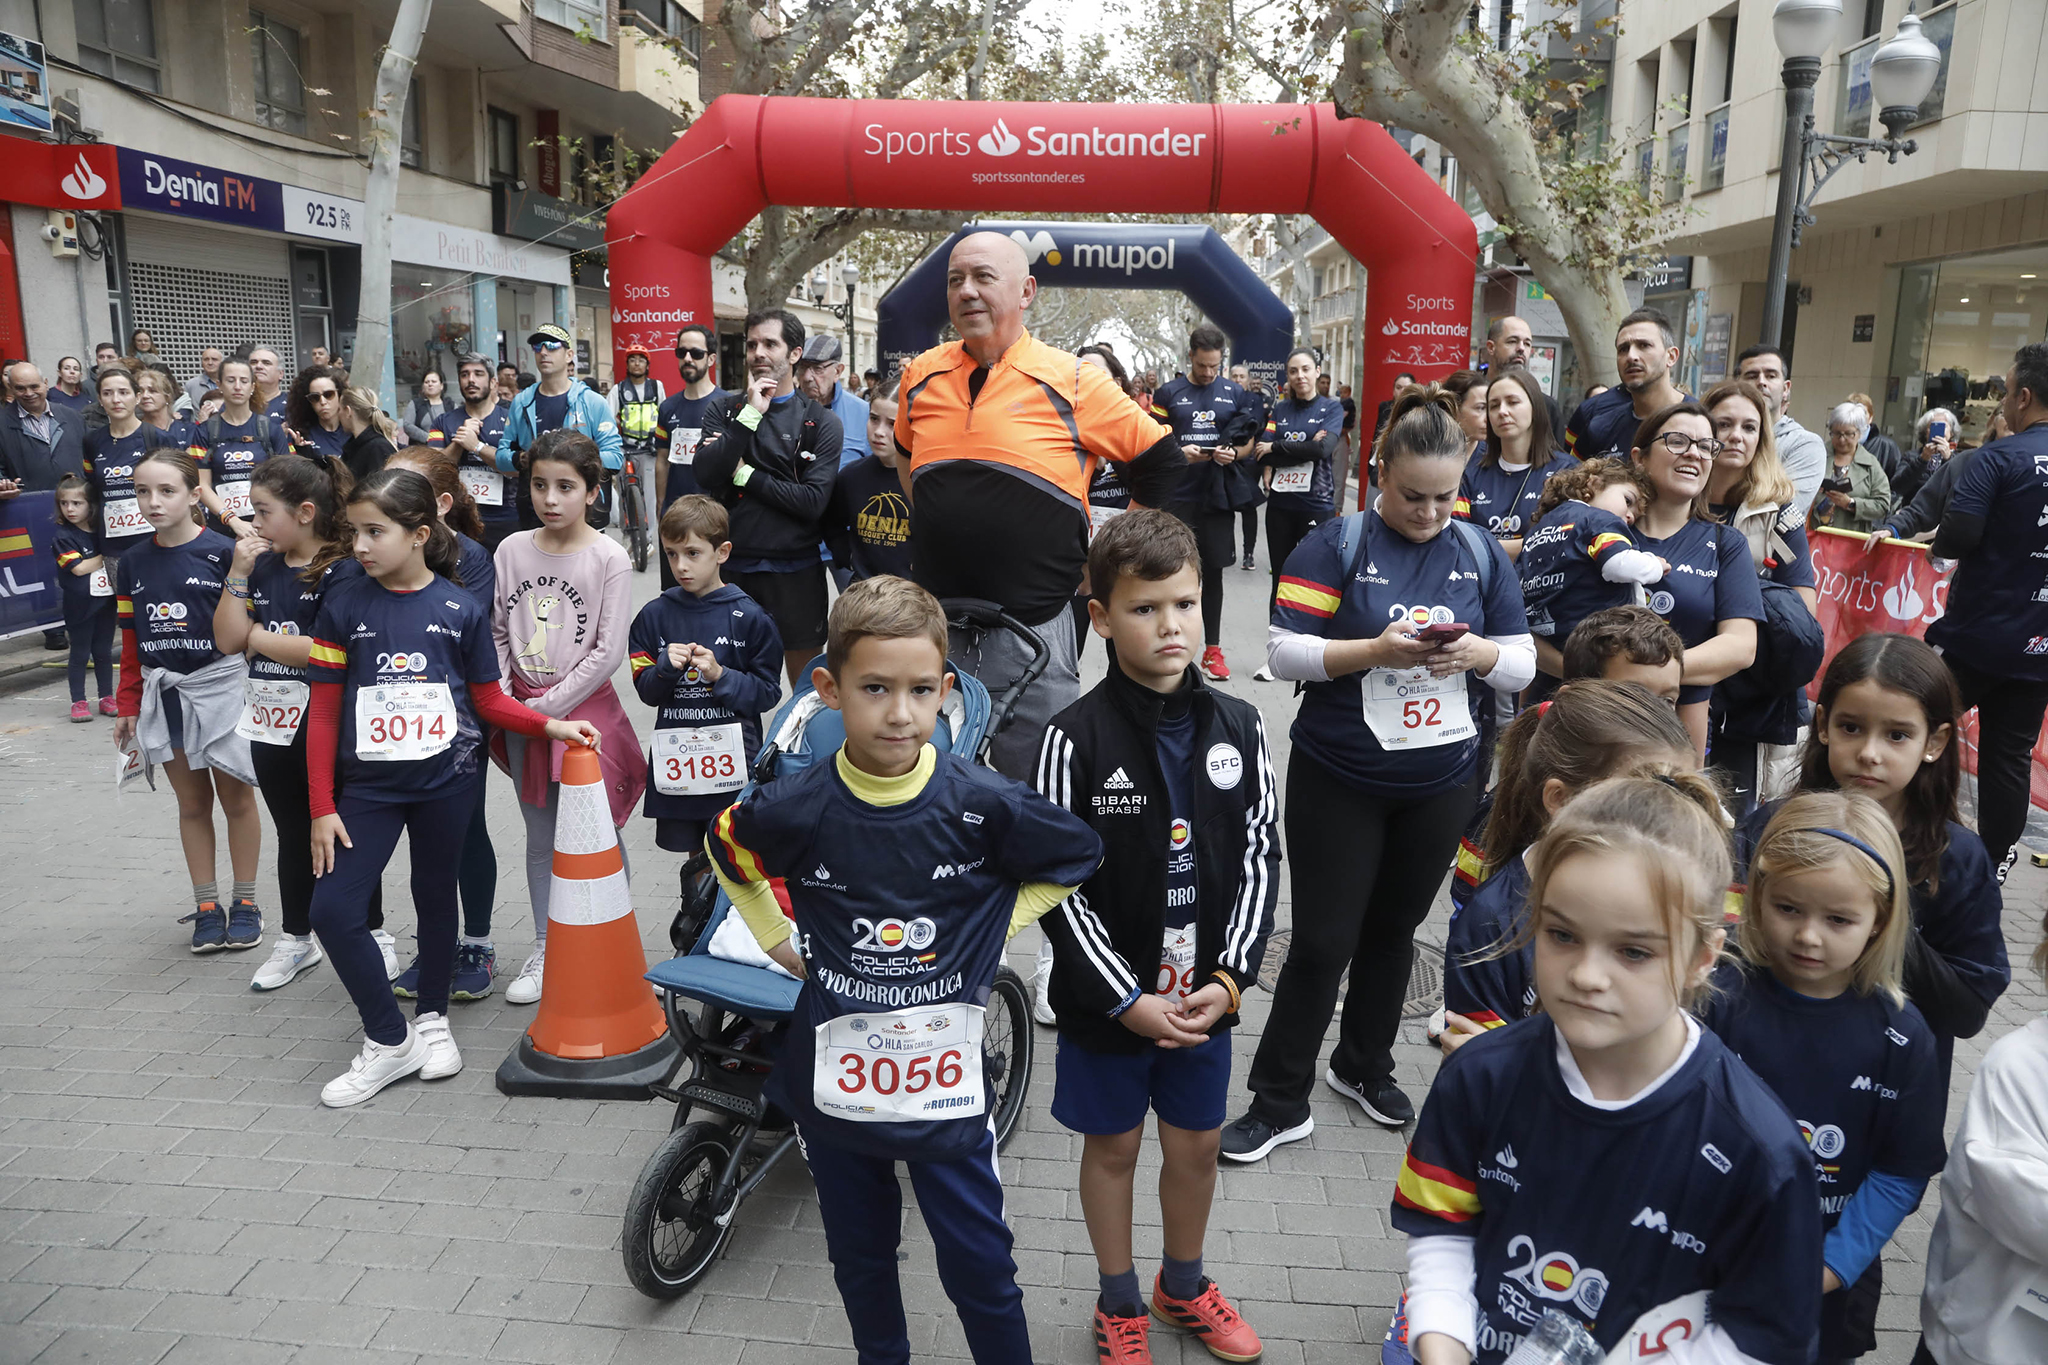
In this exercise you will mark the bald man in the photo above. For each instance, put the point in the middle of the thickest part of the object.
(1000, 435)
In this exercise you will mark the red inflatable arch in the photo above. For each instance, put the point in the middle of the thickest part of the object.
(748, 151)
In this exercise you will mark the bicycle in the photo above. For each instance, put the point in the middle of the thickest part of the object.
(633, 527)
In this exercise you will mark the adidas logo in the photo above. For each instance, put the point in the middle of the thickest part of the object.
(1119, 781)
(821, 874)
(1506, 1157)
(1650, 1218)
(1860, 1083)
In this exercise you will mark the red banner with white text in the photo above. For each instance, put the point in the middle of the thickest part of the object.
(1891, 588)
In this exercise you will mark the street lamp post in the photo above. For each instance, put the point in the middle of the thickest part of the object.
(821, 288)
(1902, 72)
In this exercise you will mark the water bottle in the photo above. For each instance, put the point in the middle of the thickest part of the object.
(1557, 1340)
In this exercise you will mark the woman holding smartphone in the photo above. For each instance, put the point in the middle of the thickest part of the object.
(1393, 619)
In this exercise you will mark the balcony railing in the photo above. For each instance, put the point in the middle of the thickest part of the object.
(1338, 307)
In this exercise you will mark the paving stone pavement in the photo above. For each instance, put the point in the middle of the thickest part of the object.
(172, 1191)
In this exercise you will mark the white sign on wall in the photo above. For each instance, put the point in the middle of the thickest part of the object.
(420, 241)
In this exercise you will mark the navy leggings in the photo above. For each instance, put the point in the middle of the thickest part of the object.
(436, 827)
(962, 1202)
(281, 777)
(478, 876)
(90, 623)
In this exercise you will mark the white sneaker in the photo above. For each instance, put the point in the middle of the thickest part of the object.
(388, 946)
(1264, 674)
(375, 1067)
(288, 957)
(443, 1058)
(525, 988)
(1041, 980)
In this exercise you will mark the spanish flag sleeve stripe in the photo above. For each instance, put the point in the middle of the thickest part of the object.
(329, 655)
(197, 450)
(1471, 868)
(124, 608)
(1313, 598)
(66, 558)
(1436, 1191)
(640, 659)
(1605, 541)
(1486, 1018)
(1159, 412)
(437, 437)
(745, 862)
(1462, 508)
(1732, 901)
(1272, 427)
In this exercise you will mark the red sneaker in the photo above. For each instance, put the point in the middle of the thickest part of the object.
(108, 708)
(1213, 665)
(1211, 1318)
(1122, 1341)
(80, 711)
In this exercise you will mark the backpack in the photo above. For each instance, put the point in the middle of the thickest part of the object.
(262, 430)
(1351, 544)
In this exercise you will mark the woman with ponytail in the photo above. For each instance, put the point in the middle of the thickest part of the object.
(403, 675)
(1402, 623)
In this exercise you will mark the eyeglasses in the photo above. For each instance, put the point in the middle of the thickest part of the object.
(691, 353)
(550, 344)
(1677, 442)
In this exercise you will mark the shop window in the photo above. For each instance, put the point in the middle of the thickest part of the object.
(411, 147)
(117, 38)
(504, 147)
(1940, 29)
(1959, 322)
(275, 51)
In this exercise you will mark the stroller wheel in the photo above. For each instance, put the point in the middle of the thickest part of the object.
(1007, 1043)
(671, 1235)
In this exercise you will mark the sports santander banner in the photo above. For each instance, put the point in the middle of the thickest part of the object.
(1892, 588)
(746, 152)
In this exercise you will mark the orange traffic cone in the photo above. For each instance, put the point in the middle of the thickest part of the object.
(599, 1032)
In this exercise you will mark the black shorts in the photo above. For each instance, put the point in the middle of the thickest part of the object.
(794, 601)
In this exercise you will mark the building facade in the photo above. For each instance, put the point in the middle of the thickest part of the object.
(227, 140)
(1918, 280)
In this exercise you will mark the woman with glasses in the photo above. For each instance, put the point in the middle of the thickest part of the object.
(312, 412)
(1710, 597)
(1855, 494)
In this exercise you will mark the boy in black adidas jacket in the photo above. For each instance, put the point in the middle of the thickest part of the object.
(1153, 953)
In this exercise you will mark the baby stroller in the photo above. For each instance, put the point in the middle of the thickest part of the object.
(682, 1209)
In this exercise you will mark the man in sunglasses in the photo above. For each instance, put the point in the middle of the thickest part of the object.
(560, 401)
(680, 425)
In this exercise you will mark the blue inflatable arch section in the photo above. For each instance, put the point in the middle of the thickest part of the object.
(1188, 257)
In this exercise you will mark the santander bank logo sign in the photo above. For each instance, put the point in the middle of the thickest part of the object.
(1037, 141)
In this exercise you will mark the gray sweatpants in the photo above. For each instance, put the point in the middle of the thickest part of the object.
(997, 658)
(540, 840)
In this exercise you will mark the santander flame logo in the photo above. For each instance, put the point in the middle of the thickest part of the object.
(1392, 329)
(81, 182)
(1902, 600)
(999, 140)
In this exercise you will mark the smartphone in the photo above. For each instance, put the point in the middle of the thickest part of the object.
(1444, 634)
(1937, 431)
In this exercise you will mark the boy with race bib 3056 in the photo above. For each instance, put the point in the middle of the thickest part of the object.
(907, 871)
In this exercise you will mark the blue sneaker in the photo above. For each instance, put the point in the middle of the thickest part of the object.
(475, 964)
(209, 927)
(406, 985)
(245, 925)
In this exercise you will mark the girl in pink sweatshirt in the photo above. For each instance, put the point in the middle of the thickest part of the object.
(560, 619)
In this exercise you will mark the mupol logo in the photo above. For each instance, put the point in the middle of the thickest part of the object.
(82, 182)
(1000, 141)
(1038, 244)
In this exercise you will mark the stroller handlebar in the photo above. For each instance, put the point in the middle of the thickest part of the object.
(978, 614)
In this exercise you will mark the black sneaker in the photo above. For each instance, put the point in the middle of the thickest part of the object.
(1251, 1137)
(2012, 856)
(1247, 565)
(1381, 1099)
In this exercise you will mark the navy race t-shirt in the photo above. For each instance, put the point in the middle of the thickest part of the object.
(1711, 580)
